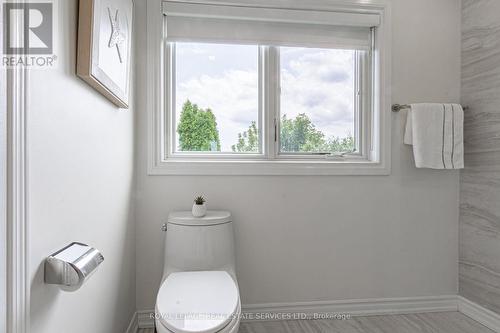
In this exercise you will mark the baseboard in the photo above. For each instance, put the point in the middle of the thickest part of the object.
(367, 307)
(133, 326)
(308, 310)
(362, 307)
(479, 313)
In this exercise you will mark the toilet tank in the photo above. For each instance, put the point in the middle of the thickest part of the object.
(199, 243)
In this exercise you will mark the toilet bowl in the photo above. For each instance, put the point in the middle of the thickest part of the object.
(199, 291)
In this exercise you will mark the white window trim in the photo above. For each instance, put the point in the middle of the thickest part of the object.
(380, 152)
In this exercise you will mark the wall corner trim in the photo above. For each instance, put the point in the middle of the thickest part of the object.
(133, 327)
(18, 282)
(479, 313)
(145, 319)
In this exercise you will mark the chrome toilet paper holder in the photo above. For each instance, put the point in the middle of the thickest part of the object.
(72, 265)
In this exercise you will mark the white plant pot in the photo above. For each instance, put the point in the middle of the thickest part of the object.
(199, 210)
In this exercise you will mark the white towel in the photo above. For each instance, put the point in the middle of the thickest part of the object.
(436, 133)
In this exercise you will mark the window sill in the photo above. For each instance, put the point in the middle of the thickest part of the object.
(268, 168)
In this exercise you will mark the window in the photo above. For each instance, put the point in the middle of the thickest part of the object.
(318, 110)
(216, 98)
(296, 87)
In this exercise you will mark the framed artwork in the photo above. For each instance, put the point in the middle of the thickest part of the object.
(104, 47)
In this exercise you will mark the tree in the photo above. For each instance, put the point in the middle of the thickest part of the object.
(197, 129)
(341, 145)
(296, 135)
(248, 141)
(300, 134)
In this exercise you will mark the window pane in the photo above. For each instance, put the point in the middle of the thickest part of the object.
(317, 100)
(216, 98)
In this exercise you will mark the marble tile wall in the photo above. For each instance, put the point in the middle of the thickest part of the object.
(479, 268)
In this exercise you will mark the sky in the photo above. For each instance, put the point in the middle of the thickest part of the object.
(224, 78)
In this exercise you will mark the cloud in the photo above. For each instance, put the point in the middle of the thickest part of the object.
(335, 76)
(318, 83)
(232, 96)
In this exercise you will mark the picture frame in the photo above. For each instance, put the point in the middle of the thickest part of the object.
(104, 47)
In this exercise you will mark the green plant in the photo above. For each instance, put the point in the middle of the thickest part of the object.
(199, 200)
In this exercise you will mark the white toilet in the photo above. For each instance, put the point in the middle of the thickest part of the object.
(199, 291)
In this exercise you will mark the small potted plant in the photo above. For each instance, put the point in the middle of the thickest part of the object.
(199, 207)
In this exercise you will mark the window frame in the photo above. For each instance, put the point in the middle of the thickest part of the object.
(170, 110)
(362, 114)
(269, 87)
(376, 154)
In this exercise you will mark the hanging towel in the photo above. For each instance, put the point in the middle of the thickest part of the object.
(436, 133)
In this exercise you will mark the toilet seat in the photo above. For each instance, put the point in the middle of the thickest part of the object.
(232, 327)
(200, 301)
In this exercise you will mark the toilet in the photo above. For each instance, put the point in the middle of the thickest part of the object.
(199, 291)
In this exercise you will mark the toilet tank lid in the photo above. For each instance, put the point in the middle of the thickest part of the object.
(212, 217)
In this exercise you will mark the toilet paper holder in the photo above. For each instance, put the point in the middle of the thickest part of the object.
(72, 265)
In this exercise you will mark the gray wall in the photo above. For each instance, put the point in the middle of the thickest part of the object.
(80, 189)
(330, 238)
(480, 181)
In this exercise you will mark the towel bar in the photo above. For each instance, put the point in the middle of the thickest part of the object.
(399, 107)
